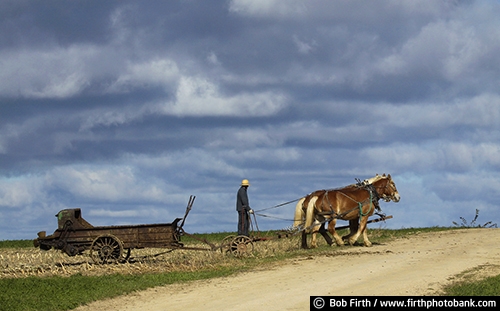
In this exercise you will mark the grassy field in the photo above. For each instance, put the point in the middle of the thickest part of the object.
(16, 244)
(49, 280)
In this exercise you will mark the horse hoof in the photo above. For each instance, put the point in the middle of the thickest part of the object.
(339, 243)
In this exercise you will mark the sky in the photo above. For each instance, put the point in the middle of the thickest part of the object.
(126, 108)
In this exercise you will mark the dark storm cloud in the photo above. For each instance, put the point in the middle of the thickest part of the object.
(36, 23)
(126, 108)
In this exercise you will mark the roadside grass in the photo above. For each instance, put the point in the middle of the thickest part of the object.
(487, 287)
(65, 293)
(471, 283)
(71, 290)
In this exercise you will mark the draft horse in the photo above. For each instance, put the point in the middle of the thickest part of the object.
(301, 209)
(317, 227)
(355, 203)
(300, 219)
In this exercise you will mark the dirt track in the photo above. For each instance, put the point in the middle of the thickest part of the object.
(418, 265)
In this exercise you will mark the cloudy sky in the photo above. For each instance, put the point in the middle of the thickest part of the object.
(126, 108)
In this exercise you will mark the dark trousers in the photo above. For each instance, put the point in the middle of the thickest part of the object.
(243, 223)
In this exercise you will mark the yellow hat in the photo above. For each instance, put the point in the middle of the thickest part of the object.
(245, 182)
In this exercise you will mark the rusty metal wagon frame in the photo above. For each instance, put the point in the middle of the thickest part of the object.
(113, 244)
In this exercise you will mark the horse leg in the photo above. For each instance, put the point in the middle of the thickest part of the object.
(365, 238)
(304, 240)
(361, 229)
(325, 235)
(353, 227)
(333, 232)
(314, 232)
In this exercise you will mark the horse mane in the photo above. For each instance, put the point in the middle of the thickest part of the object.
(375, 179)
(358, 184)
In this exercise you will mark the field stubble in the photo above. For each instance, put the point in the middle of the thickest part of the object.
(24, 262)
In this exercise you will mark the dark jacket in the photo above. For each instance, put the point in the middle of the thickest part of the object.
(242, 200)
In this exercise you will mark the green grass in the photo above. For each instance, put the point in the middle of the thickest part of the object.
(65, 293)
(486, 287)
(469, 283)
(16, 243)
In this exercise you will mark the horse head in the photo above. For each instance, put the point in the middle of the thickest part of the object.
(386, 188)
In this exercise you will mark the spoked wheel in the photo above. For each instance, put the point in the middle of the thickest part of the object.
(225, 246)
(241, 246)
(106, 249)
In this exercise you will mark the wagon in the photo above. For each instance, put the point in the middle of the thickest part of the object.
(109, 244)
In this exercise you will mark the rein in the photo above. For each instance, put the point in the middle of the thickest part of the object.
(274, 217)
(258, 212)
(279, 205)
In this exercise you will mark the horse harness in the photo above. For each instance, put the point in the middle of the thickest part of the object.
(374, 198)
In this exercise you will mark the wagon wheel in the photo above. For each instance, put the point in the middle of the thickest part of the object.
(241, 246)
(106, 249)
(225, 246)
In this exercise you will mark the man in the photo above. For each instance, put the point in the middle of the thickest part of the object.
(243, 208)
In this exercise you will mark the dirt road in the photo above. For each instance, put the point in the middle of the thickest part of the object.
(418, 265)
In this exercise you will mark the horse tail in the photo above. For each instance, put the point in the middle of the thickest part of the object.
(299, 213)
(310, 213)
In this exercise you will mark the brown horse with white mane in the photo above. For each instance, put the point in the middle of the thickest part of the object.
(301, 209)
(355, 203)
(300, 219)
(351, 203)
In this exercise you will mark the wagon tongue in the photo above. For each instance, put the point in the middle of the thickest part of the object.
(188, 208)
